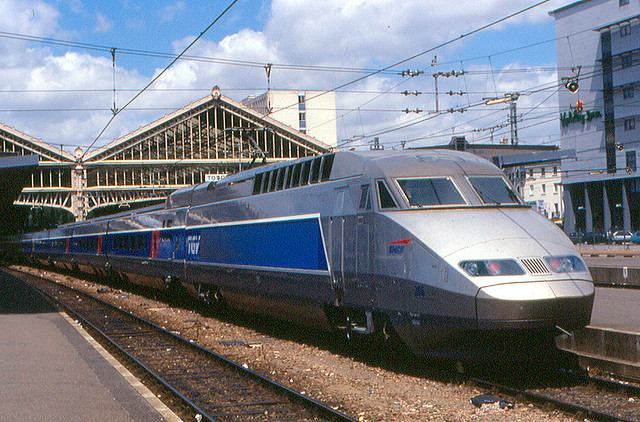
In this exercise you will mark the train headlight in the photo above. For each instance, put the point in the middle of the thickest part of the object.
(565, 264)
(491, 267)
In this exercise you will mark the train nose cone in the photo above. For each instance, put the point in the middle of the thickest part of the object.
(566, 303)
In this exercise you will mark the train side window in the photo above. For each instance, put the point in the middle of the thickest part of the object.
(273, 180)
(169, 223)
(140, 243)
(287, 177)
(365, 198)
(267, 184)
(327, 164)
(304, 177)
(280, 183)
(257, 183)
(295, 178)
(315, 170)
(384, 196)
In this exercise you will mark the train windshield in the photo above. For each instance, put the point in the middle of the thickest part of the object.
(493, 190)
(425, 192)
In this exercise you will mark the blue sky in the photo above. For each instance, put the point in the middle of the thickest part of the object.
(343, 33)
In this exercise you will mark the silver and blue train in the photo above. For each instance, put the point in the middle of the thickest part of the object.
(431, 247)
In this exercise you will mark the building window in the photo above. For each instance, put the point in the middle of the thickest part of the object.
(627, 60)
(544, 188)
(530, 190)
(631, 161)
(542, 172)
(623, 2)
(302, 118)
(530, 172)
(625, 30)
(555, 170)
(556, 187)
(630, 124)
(628, 92)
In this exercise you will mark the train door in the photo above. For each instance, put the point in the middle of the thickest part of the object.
(337, 245)
(363, 234)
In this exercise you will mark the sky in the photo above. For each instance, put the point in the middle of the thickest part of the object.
(62, 94)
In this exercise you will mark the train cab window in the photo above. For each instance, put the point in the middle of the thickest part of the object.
(384, 196)
(304, 177)
(315, 170)
(493, 190)
(295, 177)
(327, 164)
(421, 192)
(365, 198)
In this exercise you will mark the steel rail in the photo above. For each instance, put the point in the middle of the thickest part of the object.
(321, 408)
(540, 398)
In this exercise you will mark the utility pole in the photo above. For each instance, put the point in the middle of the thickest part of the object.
(513, 120)
(436, 75)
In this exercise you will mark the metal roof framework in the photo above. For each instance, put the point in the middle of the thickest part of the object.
(203, 141)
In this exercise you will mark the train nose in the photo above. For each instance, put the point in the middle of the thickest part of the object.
(538, 304)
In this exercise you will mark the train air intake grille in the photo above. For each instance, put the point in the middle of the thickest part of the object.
(535, 266)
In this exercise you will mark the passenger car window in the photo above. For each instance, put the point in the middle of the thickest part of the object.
(386, 200)
(430, 191)
(493, 190)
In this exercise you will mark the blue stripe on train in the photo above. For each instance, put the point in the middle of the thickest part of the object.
(295, 244)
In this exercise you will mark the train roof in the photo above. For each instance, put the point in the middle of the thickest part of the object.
(406, 163)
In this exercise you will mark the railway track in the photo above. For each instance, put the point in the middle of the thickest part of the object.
(213, 386)
(576, 393)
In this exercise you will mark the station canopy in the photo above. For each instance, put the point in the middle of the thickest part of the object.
(203, 141)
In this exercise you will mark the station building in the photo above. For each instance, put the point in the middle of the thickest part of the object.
(598, 48)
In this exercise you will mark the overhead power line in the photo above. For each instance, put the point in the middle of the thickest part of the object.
(429, 50)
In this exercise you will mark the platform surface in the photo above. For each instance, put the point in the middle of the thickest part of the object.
(49, 372)
(617, 309)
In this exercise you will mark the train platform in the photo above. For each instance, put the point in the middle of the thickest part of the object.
(611, 342)
(53, 370)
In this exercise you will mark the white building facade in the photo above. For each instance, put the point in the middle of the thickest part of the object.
(598, 47)
(310, 112)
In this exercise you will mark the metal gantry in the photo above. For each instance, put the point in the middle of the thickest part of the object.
(203, 141)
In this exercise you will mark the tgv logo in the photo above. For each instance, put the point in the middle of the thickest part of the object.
(193, 244)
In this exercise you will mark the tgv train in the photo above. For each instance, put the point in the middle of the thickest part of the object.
(427, 246)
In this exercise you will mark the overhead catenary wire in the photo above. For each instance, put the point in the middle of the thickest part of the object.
(534, 89)
(429, 50)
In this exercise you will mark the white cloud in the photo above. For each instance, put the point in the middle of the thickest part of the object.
(356, 33)
(103, 24)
